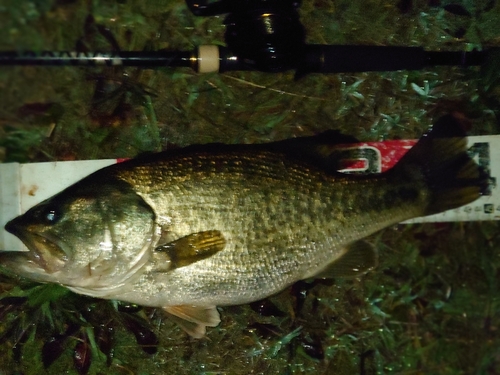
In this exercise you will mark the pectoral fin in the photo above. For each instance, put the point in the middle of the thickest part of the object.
(359, 258)
(194, 319)
(193, 248)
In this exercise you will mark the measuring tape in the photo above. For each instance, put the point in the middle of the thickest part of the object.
(24, 185)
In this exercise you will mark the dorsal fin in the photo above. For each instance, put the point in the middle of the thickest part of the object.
(317, 149)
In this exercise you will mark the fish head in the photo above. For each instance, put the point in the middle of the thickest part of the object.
(95, 237)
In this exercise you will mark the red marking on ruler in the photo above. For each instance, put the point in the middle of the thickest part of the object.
(389, 153)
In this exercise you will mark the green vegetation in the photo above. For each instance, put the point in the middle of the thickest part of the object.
(433, 304)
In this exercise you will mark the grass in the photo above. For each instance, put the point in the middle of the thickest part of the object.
(431, 307)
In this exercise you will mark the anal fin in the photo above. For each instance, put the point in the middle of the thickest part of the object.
(359, 258)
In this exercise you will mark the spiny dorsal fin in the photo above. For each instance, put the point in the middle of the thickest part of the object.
(193, 248)
(194, 319)
(359, 258)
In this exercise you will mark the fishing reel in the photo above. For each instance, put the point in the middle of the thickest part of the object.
(265, 35)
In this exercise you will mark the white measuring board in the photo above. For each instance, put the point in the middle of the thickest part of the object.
(24, 185)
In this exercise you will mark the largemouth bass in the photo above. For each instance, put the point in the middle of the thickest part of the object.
(212, 225)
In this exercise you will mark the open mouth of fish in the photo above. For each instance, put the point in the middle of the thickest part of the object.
(45, 252)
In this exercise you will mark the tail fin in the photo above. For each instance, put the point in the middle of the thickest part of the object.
(452, 177)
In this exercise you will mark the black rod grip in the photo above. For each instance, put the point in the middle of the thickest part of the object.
(346, 58)
(459, 58)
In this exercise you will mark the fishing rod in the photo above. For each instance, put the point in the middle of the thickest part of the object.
(261, 35)
(317, 58)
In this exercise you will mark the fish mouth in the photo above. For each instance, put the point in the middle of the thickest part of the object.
(46, 252)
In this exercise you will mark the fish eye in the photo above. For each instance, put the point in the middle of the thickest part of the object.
(50, 215)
